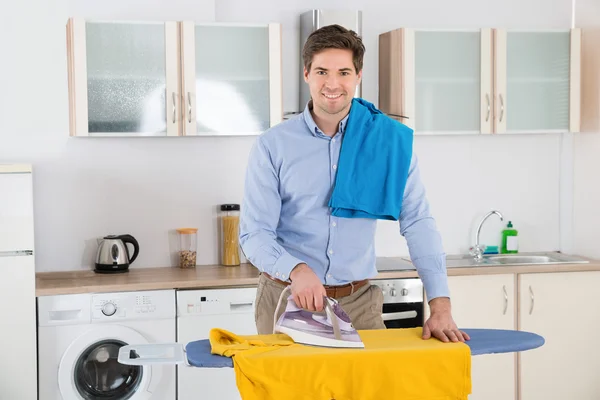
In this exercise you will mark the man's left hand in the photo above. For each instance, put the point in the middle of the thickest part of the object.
(441, 325)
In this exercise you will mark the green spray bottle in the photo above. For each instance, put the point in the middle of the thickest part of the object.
(510, 242)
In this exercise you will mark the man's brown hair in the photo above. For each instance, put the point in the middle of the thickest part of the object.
(333, 37)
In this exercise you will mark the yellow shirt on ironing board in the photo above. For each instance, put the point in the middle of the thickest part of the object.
(395, 364)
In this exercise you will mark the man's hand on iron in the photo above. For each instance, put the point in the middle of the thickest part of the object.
(307, 289)
(441, 325)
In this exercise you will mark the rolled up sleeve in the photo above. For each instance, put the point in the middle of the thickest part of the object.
(424, 241)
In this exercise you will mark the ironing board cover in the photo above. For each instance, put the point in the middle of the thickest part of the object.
(483, 341)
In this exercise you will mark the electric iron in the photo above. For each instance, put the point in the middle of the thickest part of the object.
(334, 329)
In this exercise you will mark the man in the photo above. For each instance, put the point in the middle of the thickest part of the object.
(287, 229)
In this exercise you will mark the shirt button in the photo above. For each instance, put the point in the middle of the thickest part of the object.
(276, 273)
(333, 224)
(329, 275)
(334, 166)
(330, 251)
(333, 140)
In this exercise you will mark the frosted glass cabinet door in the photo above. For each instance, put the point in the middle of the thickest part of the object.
(232, 78)
(123, 79)
(452, 81)
(537, 96)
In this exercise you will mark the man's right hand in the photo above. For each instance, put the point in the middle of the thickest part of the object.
(307, 289)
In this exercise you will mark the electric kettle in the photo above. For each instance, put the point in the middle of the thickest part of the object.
(113, 254)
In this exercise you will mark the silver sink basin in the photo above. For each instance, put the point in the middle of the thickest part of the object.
(506, 259)
(490, 260)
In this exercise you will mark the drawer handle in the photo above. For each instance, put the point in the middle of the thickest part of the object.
(505, 299)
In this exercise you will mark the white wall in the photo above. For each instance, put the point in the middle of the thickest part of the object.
(81, 195)
(586, 237)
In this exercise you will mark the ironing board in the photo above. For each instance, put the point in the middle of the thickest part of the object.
(483, 341)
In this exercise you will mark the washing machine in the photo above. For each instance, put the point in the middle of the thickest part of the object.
(79, 337)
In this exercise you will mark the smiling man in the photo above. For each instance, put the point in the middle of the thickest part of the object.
(289, 232)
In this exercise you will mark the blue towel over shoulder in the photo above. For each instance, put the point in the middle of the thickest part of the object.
(373, 166)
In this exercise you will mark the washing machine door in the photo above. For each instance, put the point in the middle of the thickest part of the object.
(89, 368)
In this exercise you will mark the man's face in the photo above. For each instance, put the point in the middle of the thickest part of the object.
(332, 80)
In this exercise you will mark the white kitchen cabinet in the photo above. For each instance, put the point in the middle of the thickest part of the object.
(173, 78)
(481, 82)
(232, 78)
(487, 302)
(537, 81)
(441, 81)
(563, 308)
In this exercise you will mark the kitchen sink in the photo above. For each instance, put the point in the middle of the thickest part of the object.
(520, 259)
(490, 260)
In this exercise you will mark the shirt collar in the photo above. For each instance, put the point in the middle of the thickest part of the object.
(312, 126)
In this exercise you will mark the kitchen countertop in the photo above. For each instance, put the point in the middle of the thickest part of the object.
(214, 276)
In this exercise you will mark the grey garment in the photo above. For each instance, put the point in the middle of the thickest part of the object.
(364, 307)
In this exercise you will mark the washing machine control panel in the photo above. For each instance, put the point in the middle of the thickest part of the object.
(108, 307)
(132, 305)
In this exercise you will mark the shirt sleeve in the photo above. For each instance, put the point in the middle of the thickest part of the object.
(259, 216)
(424, 241)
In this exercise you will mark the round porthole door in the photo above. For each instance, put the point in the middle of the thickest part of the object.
(89, 368)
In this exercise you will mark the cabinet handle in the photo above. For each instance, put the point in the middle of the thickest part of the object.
(189, 107)
(501, 107)
(487, 97)
(174, 107)
(505, 300)
(532, 300)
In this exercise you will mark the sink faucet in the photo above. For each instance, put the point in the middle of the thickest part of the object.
(477, 250)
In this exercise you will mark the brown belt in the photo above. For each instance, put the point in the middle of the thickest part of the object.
(334, 292)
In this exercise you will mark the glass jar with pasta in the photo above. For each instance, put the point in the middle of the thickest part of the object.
(230, 225)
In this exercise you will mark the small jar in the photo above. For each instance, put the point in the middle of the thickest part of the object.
(188, 242)
(230, 227)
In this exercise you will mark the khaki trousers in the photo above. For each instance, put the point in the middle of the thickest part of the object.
(364, 307)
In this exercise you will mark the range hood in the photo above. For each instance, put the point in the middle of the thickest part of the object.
(312, 20)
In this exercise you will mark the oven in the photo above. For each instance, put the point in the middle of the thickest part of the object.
(402, 302)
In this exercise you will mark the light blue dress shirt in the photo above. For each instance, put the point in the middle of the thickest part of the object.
(285, 219)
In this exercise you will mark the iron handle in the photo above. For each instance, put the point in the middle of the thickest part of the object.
(189, 107)
(532, 300)
(505, 300)
(487, 97)
(501, 107)
(174, 107)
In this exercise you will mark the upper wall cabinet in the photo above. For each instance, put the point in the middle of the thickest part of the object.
(590, 78)
(173, 78)
(483, 81)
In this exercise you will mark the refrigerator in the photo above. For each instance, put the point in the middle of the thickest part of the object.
(18, 336)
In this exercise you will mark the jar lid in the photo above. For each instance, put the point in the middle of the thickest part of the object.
(187, 230)
(230, 207)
